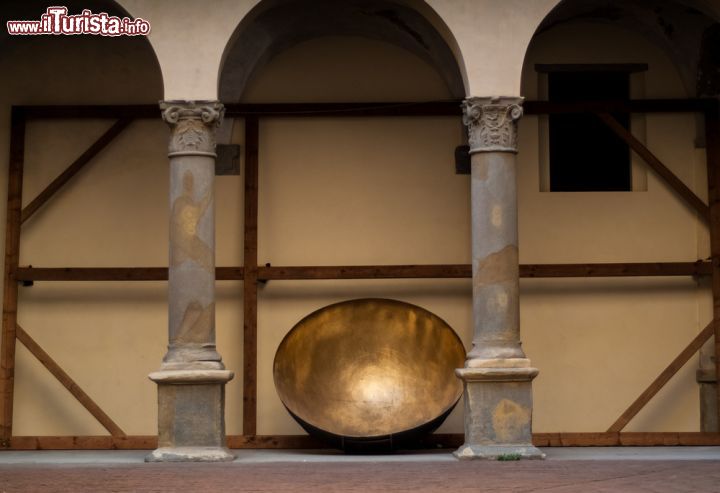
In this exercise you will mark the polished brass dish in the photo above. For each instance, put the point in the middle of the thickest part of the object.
(369, 371)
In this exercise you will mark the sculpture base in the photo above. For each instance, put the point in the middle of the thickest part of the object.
(498, 413)
(498, 452)
(190, 454)
(191, 416)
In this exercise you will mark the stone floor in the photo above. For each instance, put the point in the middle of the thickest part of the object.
(671, 469)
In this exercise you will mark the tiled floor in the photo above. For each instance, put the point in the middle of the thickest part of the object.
(669, 469)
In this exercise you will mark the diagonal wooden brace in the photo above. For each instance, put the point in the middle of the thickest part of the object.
(69, 383)
(663, 378)
(663, 171)
(74, 168)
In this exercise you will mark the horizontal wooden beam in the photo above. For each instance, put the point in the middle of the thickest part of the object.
(447, 271)
(628, 439)
(591, 67)
(140, 111)
(334, 110)
(664, 377)
(69, 383)
(627, 269)
(133, 442)
(366, 272)
(627, 106)
(379, 109)
(305, 442)
(113, 274)
(240, 110)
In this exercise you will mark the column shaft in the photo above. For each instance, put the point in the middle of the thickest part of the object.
(496, 309)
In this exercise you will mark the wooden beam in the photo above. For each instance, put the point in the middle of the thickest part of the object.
(336, 110)
(74, 167)
(576, 439)
(626, 106)
(464, 271)
(378, 109)
(432, 441)
(12, 257)
(69, 383)
(663, 171)
(98, 111)
(591, 67)
(113, 273)
(255, 110)
(299, 442)
(135, 442)
(627, 439)
(449, 271)
(633, 269)
(365, 272)
(252, 137)
(663, 378)
(712, 147)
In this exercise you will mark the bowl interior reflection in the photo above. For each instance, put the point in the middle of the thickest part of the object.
(369, 368)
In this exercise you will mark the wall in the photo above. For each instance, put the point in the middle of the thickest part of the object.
(328, 190)
(106, 336)
(599, 343)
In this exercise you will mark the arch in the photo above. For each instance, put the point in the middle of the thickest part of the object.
(275, 25)
(33, 9)
(677, 27)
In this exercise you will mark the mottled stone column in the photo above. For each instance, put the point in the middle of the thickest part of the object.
(497, 375)
(192, 377)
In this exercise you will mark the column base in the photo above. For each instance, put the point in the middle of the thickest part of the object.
(498, 413)
(498, 452)
(191, 416)
(190, 454)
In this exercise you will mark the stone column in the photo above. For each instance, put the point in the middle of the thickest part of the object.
(192, 377)
(497, 375)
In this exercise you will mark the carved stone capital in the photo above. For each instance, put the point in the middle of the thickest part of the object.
(492, 123)
(192, 124)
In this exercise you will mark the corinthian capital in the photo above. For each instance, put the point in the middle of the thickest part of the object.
(492, 123)
(192, 124)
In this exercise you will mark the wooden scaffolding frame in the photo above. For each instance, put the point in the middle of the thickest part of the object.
(250, 273)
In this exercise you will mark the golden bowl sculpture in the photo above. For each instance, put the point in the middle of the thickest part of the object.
(369, 374)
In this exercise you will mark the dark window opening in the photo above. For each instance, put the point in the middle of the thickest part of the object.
(585, 155)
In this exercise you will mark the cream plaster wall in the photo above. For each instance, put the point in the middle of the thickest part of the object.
(189, 38)
(599, 343)
(106, 336)
(493, 37)
(357, 191)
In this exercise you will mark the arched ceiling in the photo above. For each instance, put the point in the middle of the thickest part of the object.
(276, 25)
(683, 29)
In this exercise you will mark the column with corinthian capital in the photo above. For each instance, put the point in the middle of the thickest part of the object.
(497, 376)
(191, 380)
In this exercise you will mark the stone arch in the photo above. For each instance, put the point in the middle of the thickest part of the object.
(681, 29)
(84, 50)
(275, 25)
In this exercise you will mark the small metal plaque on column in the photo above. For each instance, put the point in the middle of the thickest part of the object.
(462, 160)
(228, 159)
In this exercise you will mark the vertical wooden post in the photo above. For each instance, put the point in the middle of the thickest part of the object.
(712, 137)
(250, 277)
(12, 259)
